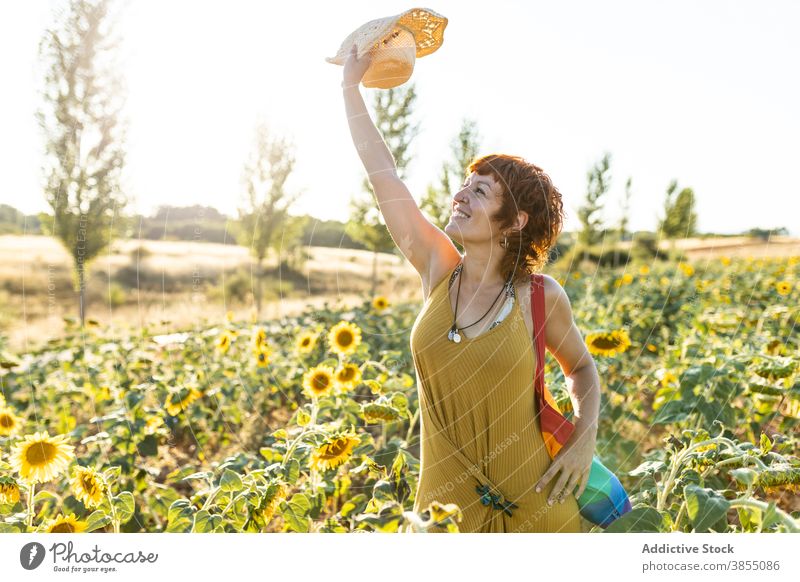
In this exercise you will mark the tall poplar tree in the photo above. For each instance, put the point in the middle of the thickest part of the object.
(84, 135)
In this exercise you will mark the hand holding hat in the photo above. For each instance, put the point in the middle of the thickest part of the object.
(354, 67)
(392, 43)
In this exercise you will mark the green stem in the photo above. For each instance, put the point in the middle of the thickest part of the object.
(210, 498)
(791, 524)
(114, 519)
(31, 489)
(292, 446)
(410, 432)
(680, 515)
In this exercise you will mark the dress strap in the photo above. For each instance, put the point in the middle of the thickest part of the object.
(537, 312)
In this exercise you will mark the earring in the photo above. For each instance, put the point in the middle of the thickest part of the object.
(505, 242)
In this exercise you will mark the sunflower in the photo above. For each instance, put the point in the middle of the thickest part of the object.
(65, 524)
(644, 270)
(152, 423)
(344, 338)
(668, 379)
(347, 377)
(259, 338)
(263, 512)
(229, 315)
(652, 347)
(224, 341)
(608, 343)
(306, 342)
(725, 261)
(374, 413)
(87, 486)
(9, 490)
(687, 269)
(39, 457)
(627, 279)
(380, 303)
(439, 512)
(336, 449)
(9, 422)
(262, 356)
(318, 381)
(181, 399)
(576, 275)
(783, 287)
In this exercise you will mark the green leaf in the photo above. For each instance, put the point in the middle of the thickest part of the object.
(230, 481)
(42, 496)
(303, 417)
(200, 475)
(295, 513)
(399, 401)
(97, 520)
(112, 474)
(744, 476)
(706, 508)
(383, 490)
(355, 504)
(765, 444)
(124, 506)
(673, 411)
(204, 522)
(770, 516)
(148, 447)
(180, 516)
(648, 468)
(292, 471)
(696, 375)
(640, 519)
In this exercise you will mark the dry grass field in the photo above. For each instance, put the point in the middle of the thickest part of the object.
(175, 285)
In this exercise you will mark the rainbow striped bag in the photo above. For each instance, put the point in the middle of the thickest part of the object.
(604, 498)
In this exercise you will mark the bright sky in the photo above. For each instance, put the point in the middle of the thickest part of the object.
(702, 92)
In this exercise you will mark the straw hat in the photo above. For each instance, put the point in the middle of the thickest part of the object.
(401, 38)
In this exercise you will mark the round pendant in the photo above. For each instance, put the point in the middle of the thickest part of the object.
(456, 337)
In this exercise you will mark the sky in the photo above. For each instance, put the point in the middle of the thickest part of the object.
(705, 93)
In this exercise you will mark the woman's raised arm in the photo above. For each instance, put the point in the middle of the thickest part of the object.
(420, 241)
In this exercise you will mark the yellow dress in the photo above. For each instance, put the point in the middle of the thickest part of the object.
(478, 424)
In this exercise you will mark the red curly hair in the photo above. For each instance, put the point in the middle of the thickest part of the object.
(525, 186)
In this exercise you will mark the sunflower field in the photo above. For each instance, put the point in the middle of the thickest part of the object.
(310, 424)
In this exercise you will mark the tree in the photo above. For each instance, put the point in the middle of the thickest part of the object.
(623, 219)
(436, 201)
(680, 219)
(598, 183)
(626, 208)
(84, 149)
(264, 219)
(393, 109)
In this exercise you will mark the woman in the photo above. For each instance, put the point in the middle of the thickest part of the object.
(481, 445)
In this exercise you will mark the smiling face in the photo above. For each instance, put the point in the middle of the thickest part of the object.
(479, 199)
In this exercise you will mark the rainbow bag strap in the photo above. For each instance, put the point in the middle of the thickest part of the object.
(556, 429)
(604, 498)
